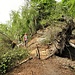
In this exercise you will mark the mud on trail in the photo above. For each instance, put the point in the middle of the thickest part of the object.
(53, 66)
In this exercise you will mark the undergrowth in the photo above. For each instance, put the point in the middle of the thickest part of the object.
(10, 59)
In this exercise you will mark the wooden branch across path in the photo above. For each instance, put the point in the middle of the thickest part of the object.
(22, 62)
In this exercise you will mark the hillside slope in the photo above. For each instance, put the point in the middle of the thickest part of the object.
(52, 66)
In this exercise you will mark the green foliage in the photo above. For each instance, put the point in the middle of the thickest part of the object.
(16, 24)
(45, 10)
(58, 11)
(11, 58)
(27, 19)
(43, 1)
(68, 7)
(32, 16)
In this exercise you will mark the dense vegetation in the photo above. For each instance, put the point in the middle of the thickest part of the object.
(34, 15)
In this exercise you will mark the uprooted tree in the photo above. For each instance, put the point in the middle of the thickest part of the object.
(62, 39)
(64, 36)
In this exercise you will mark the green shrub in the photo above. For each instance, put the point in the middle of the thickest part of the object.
(9, 59)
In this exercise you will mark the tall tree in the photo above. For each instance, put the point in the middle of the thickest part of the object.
(45, 10)
(15, 24)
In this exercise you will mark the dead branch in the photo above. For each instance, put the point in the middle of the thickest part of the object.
(37, 52)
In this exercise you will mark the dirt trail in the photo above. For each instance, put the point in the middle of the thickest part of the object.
(42, 67)
(52, 66)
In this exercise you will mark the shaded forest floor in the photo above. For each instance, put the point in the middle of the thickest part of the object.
(52, 66)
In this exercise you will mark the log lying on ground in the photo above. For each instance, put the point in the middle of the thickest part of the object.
(63, 38)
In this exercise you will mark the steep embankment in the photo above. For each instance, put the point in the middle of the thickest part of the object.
(52, 66)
